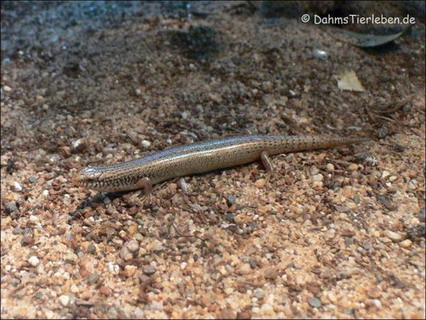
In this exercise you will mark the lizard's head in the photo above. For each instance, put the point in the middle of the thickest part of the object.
(91, 178)
(105, 179)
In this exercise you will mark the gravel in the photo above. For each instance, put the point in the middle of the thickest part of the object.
(327, 235)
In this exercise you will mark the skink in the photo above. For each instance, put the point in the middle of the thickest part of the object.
(201, 157)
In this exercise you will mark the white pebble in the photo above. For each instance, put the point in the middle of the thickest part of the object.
(392, 235)
(385, 174)
(74, 289)
(7, 88)
(113, 268)
(64, 300)
(185, 115)
(377, 303)
(34, 261)
(319, 54)
(17, 186)
(145, 143)
(317, 177)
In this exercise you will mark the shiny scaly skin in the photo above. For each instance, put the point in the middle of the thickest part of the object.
(201, 157)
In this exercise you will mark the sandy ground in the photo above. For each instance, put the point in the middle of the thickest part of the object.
(335, 233)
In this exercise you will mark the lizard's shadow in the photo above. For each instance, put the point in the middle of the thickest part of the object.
(97, 199)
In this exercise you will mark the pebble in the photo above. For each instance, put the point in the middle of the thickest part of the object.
(10, 206)
(396, 237)
(314, 170)
(215, 98)
(158, 248)
(113, 268)
(292, 93)
(330, 234)
(349, 242)
(330, 167)
(259, 293)
(230, 200)
(319, 54)
(229, 217)
(125, 254)
(32, 179)
(385, 174)
(229, 290)
(260, 183)
(74, 289)
(421, 215)
(55, 158)
(18, 230)
(377, 303)
(132, 245)
(317, 177)
(145, 143)
(130, 270)
(353, 167)
(93, 278)
(64, 300)
(245, 269)
(406, 243)
(139, 313)
(105, 290)
(79, 145)
(267, 308)
(347, 191)
(7, 88)
(148, 269)
(157, 305)
(315, 302)
(49, 314)
(412, 184)
(17, 186)
(34, 261)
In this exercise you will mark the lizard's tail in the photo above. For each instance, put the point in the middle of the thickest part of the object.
(313, 142)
